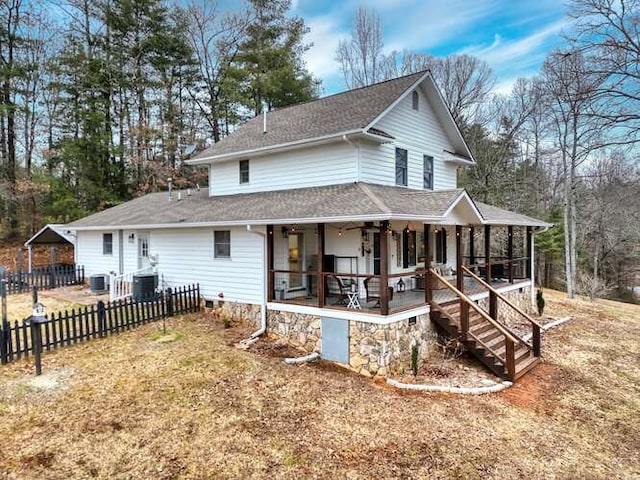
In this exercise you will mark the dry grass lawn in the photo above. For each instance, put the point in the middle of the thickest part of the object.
(142, 405)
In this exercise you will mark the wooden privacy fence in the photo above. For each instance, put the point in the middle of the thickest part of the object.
(46, 278)
(95, 321)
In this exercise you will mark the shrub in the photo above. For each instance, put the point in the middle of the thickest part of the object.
(540, 302)
(414, 359)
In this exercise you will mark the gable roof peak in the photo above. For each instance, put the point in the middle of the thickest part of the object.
(326, 117)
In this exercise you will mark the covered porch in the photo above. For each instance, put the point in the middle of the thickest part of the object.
(344, 265)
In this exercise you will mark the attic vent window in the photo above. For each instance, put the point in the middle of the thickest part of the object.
(415, 99)
(244, 171)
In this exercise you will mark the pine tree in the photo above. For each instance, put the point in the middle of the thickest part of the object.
(269, 67)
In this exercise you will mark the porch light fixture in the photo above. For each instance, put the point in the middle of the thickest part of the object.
(285, 232)
(132, 237)
(340, 232)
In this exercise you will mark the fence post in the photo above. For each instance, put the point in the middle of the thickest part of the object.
(5, 332)
(101, 319)
(34, 294)
(169, 302)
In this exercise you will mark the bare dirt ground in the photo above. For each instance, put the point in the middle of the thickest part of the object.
(188, 405)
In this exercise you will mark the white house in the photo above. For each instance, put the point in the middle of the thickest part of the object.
(312, 208)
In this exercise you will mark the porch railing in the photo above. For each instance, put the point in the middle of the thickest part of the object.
(349, 290)
(120, 286)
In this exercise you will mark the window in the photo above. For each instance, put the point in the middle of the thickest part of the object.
(244, 171)
(428, 172)
(107, 243)
(408, 248)
(401, 167)
(222, 244)
(441, 246)
(415, 99)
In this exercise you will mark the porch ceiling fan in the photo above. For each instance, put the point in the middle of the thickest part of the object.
(366, 226)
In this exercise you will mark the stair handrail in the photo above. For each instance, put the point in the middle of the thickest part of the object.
(501, 297)
(479, 310)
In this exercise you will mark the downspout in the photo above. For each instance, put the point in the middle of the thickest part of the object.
(263, 307)
(356, 146)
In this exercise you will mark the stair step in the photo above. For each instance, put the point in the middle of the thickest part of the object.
(525, 366)
(448, 317)
(489, 336)
(480, 328)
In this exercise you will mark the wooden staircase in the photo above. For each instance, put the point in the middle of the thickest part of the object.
(501, 350)
(484, 341)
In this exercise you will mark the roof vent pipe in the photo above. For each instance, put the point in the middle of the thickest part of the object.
(179, 195)
(170, 182)
(188, 192)
(264, 117)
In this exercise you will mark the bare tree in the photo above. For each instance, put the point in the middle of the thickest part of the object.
(610, 224)
(465, 81)
(214, 36)
(572, 102)
(608, 32)
(361, 58)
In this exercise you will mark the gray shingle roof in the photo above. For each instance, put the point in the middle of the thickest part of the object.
(332, 115)
(300, 205)
(499, 216)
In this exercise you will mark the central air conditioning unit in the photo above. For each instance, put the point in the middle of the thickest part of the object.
(99, 283)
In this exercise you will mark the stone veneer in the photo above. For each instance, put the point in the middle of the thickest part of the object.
(374, 349)
(386, 349)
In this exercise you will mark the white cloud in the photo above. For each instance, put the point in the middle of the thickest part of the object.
(523, 53)
(429, 24)
(325, 33)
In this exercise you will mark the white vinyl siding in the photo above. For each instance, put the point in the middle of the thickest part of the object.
(186, 257)
(89, 252)
(305, 167)
(420, 133)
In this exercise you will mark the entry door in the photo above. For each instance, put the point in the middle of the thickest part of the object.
(143, 250)
(335, 339)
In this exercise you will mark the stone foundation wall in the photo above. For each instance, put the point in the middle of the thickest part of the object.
(298, 329)
(241, 311)
(373, 349)
(386, 349)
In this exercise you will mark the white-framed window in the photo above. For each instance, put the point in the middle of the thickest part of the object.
(415, 100)
(222, 244)
(402, 175)
(244, 171)
(107, 243)
(428, 172)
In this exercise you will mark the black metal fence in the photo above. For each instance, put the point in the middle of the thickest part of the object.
(45, 278)
(95, 321)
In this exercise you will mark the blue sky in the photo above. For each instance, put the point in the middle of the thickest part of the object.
(513, 37)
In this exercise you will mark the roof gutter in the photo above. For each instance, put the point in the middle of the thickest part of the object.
(270, 148)
(234, 223)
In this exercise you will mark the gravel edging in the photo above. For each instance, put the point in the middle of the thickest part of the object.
(549, 326)
(444, 389)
